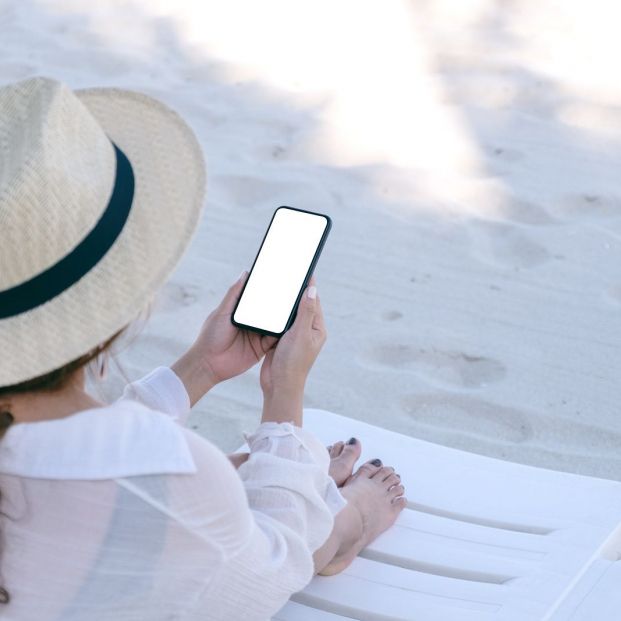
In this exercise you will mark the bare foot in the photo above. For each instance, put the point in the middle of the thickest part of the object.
(237, 459)
(343, 456)
(375, 499)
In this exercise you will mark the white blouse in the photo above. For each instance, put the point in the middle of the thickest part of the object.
(121, 513)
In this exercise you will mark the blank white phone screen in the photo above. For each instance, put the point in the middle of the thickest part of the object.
(280, 269)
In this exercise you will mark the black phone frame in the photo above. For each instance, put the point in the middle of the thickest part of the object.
(309, 273)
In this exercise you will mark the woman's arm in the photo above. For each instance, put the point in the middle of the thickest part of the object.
(196, 375)
(221, 350)
(288, 363)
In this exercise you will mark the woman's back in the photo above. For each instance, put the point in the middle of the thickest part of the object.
(137, 517)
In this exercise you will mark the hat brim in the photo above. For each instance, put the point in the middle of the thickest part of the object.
(169, 172)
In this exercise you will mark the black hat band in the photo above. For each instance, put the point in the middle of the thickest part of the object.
(66, 272)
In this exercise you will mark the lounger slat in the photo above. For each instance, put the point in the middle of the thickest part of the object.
(372, 600)
(293, 611)
(425, 583)
(525, 594)
(459, 558)
(596, 596)
(418, 524)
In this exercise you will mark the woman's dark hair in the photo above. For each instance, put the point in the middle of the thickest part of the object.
(52, 381)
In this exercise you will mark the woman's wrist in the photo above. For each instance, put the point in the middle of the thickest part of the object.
(196, 375)
(284, 405)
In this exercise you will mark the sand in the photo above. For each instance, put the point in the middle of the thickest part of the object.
(468, 153)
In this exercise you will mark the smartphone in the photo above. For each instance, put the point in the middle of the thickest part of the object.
(281, 270)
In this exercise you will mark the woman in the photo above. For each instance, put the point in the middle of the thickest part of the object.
(118, 511)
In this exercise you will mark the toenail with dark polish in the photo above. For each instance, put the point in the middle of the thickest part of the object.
(377, 462)
(352, 441)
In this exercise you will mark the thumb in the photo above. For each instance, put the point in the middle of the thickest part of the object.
(230, 298)
(307, 307)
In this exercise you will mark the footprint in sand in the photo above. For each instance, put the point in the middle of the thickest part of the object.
(470, 416)
(454, 368)
(506, 154)
(278, 151)
(17, 70)
(543, 431)
(614, 293)
(107, 65)
(247, 191)
(525, 212)
(507, 245)
(392, 315)
(588, 206)
(151, 348)
(174, 295)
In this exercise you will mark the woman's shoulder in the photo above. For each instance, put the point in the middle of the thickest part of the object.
(125, 438)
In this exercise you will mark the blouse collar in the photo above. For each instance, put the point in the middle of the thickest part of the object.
(120, 440)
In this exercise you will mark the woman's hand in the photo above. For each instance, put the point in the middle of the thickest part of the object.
(226, 349)
(221, 350)
(289, 361)
(237, 459)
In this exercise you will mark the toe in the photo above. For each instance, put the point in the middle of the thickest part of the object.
(400, 502)
(336, 449)
(393, 479)
(343, 464)
(383, 473)
(351, 451)
(343, 456)
(369, 468)
(396, 491)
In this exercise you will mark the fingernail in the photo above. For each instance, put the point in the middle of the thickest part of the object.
(312, 292)
(240, 277)
(351, 441)
(377, 462)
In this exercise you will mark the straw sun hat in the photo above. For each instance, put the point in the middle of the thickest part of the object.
(100, 192)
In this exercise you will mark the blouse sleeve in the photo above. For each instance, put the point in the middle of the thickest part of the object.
(161, 390)
(284, 456)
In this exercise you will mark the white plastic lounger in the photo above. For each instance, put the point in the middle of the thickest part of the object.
(480, 540)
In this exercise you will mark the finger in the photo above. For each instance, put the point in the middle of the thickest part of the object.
(267, 342)
(306, 309)
(269, 355)
(230, 297)
(260, 343)
(319, 322)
